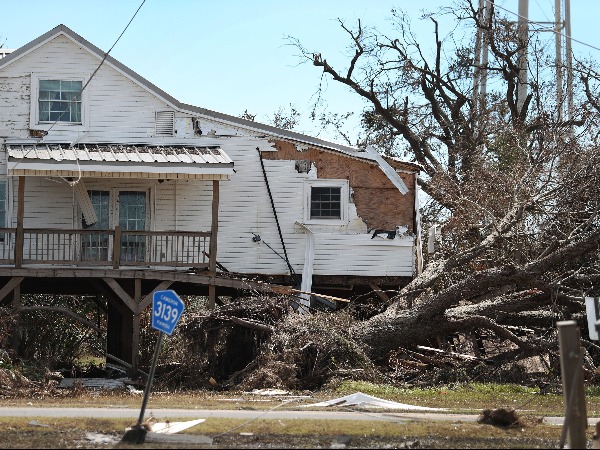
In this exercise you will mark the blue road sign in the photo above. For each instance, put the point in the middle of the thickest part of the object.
(166, 310)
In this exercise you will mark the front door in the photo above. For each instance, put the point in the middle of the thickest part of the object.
(95, 247)
(131, 216)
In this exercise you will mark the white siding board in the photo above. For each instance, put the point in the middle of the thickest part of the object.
(118, 108)
(336, 249)
(41, 213)
(14, 95)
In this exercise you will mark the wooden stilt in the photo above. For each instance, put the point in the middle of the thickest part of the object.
(135, 341)
(16, 334)
(19, 235)
(212, 261)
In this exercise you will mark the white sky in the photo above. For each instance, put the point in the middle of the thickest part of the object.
(233, 55)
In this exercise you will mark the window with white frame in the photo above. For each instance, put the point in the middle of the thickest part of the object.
(58, 102)
(326, 201)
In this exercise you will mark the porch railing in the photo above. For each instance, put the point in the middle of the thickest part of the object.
(114, 248)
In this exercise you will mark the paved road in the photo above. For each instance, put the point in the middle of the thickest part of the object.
(189, 414)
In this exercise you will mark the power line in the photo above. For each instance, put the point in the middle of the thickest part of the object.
(83, 88)
(110, 49)
(491, 2)
(103, 59)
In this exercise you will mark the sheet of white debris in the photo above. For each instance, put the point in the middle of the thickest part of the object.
(173, 427)
(361, 400)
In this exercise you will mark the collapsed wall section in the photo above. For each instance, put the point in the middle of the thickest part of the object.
(378, 202)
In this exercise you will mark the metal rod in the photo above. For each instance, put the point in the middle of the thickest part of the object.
(150, 377)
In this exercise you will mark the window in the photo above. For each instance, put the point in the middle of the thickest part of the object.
(132, 217)
(326, 202)
(95, 247)
(60, 101)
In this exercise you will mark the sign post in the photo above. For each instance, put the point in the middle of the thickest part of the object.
(167, 308)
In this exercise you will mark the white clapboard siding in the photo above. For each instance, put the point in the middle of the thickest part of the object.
(246, 209)
(14, 96)
(165, 206)
(194, 205)
(48, 204)
(345, 254)
(118, 108)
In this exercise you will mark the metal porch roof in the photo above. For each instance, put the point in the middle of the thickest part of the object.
(106, 158)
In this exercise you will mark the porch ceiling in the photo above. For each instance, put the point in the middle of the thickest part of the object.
(148, 161)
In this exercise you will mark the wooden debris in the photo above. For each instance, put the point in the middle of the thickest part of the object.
(286, 290)
(447, 353)
(251, 324)
(427, 359)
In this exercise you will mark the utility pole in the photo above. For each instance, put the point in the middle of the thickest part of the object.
(558, 26)
(481, 56)
(564, 60)
(523, 33)
(569, 58)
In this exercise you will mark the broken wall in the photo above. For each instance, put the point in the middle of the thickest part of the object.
(378, 202)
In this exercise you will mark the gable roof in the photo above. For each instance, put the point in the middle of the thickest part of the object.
(202, 112)
(176, 104)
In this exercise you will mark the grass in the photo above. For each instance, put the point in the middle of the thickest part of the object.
(70, 433)
(468, 398)
(471, 398)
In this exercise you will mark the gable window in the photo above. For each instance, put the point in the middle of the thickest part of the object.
(326, 201)
(60, 101)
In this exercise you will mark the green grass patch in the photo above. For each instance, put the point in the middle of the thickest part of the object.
(217, 426)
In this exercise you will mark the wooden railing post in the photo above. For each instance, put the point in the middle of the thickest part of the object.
(117, 247)
(19, 234)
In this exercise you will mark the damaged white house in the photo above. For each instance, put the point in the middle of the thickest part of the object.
(110, 187)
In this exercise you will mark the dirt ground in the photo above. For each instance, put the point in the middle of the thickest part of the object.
(78, 439)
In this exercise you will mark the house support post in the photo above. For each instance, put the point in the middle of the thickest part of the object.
(19, 235)
(212, 259)
(16, 334)
(307, 272)
(120, 321)
(135, 344)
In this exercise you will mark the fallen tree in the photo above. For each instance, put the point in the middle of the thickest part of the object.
(510, 175)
